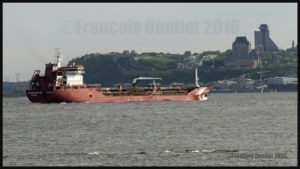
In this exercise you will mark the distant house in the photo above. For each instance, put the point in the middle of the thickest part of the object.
(191, 59)
(184, 65)
(209, 57)
(187, 63)
(240, 63)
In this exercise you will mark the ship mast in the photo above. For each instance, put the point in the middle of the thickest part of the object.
(58, 56)
(196, 75)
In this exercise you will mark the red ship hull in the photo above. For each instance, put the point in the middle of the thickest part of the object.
(94, 95)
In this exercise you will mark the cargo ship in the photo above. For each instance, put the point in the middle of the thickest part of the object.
(65, 84)
(283, 84)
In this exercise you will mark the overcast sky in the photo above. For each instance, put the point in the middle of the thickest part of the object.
(32, 30)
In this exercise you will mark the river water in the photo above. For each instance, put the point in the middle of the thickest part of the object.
(242, 129)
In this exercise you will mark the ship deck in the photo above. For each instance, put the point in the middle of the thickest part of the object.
(144, 91)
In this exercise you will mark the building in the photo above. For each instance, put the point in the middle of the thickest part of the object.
(188, 62)
(209, 57)
(241, 56)
(241, 47)
(293, 49)
(191, 59)
(263, 42)
(241, 63)
(224, 84)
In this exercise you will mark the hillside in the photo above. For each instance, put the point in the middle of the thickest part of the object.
(14, 89)
(114, 68)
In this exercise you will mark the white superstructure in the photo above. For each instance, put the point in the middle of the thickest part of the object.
(72, 75)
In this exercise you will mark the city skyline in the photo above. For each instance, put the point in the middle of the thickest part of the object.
(32, 33)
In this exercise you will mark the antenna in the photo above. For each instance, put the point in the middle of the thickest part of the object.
(17, 77)
(58, 56)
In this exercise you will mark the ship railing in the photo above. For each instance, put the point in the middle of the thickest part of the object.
(143, 93)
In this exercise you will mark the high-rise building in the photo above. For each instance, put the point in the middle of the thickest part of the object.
(241, 55)
(263, 42)
(241, 47)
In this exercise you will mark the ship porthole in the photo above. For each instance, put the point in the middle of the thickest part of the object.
(91, 95)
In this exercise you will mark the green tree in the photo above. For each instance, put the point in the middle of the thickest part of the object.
(187, 53)
(126, 52)
(265, 55)
(161, 54)
(133, 53)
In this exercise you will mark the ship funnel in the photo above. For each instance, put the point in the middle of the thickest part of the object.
(58, 56)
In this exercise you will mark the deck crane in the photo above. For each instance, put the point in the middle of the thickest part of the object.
(260, 76)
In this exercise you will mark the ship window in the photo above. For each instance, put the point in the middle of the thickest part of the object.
(81, 87)
(57, 87)
(75, 87)
(91, 95)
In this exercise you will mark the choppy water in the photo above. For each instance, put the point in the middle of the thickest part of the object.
(227, 129)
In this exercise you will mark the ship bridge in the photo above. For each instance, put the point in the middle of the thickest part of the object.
(71, 75)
